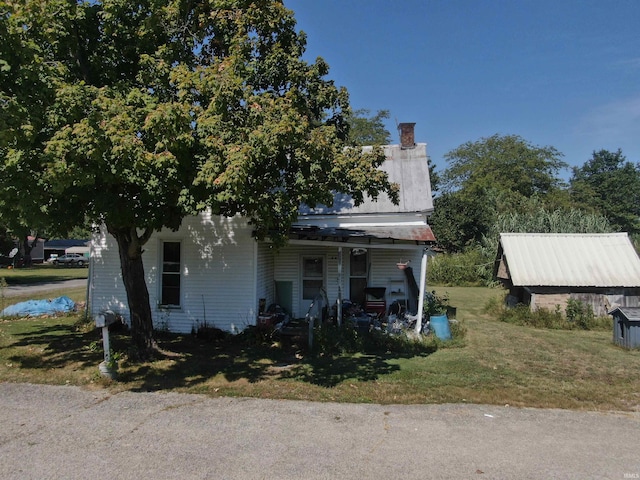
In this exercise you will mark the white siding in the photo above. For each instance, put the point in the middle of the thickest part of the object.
(225, 272)
(383, 270)
(218, 283)
(265, 285)
(287, 269)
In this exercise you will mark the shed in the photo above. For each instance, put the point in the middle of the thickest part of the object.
(626, 326)
(545, 270)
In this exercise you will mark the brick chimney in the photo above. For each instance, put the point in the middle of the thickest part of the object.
(407, 135)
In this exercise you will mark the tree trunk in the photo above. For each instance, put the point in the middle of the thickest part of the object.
(27, 250)
(130, 251)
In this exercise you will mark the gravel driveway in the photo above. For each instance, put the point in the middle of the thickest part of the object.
(55, 432)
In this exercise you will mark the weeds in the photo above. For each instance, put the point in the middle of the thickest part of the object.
(435, 304)
(577, 315)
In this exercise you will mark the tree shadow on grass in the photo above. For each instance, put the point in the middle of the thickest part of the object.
(54, 346)
(199, 361)
(190, 361)
(330, 372)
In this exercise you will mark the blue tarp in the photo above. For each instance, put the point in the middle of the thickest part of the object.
(34, 308)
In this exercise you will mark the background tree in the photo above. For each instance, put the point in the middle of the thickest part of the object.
(487, 177)
(460, 221)
(506, 164)
(134, 114)
(7, 241)
(368, 130)
(610, 185)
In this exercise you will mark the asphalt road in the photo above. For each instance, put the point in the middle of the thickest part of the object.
(65, 432)
(38, 288)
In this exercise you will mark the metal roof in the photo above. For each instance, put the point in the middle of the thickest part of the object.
(630, 313)
(409, 168)
(366, 234)
(570, 260)
(60, 244)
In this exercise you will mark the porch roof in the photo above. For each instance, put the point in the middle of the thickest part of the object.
(418, 234)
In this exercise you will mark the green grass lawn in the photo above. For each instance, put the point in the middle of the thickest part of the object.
(42, 273)
(497, 363)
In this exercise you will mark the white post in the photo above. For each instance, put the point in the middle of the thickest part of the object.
(105, 344)
(423, 285)
(103, 320)
(339, 305)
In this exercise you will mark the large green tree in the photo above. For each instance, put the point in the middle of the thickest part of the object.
(134, 114)
(609, 184)
(506, 164)
(488, 177)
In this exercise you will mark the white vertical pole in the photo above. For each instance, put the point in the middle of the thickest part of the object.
(339, 306)
(105, 344)
(423, 285)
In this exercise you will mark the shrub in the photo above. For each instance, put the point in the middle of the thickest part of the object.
(540, 318)
(579, 313)
(435, 304)
(330, 339)
(576, 315)
(470, 268)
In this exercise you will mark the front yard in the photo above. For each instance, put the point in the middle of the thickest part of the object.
(497, 363)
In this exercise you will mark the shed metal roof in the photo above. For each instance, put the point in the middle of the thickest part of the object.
(563, 259)
(630, 313)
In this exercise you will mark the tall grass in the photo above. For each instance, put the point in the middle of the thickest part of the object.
(473, 267)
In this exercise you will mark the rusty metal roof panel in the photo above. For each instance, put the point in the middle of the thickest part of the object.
(563, 259)
(415, 233)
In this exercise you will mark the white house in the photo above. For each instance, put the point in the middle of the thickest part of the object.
(212, 271)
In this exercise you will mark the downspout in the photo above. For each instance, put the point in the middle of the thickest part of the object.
(423, 285)
(339, 305)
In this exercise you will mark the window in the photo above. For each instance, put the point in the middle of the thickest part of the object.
(312, 277)
(170, 286)
(358, 266)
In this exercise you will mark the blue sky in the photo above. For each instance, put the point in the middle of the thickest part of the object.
(563, 73)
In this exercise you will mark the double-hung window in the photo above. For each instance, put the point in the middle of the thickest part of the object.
(171, 275)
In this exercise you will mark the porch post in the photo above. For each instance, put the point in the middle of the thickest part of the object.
(339, 305)
(423, 284)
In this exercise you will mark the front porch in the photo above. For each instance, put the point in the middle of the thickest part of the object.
(369, 269)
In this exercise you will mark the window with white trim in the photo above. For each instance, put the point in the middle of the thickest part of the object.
(171, 274)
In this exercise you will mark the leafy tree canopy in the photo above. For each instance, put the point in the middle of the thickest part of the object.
(460, 221)
(508, 165)
(610, 185)
(488, 177)
(368, 130)
(134, 114)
